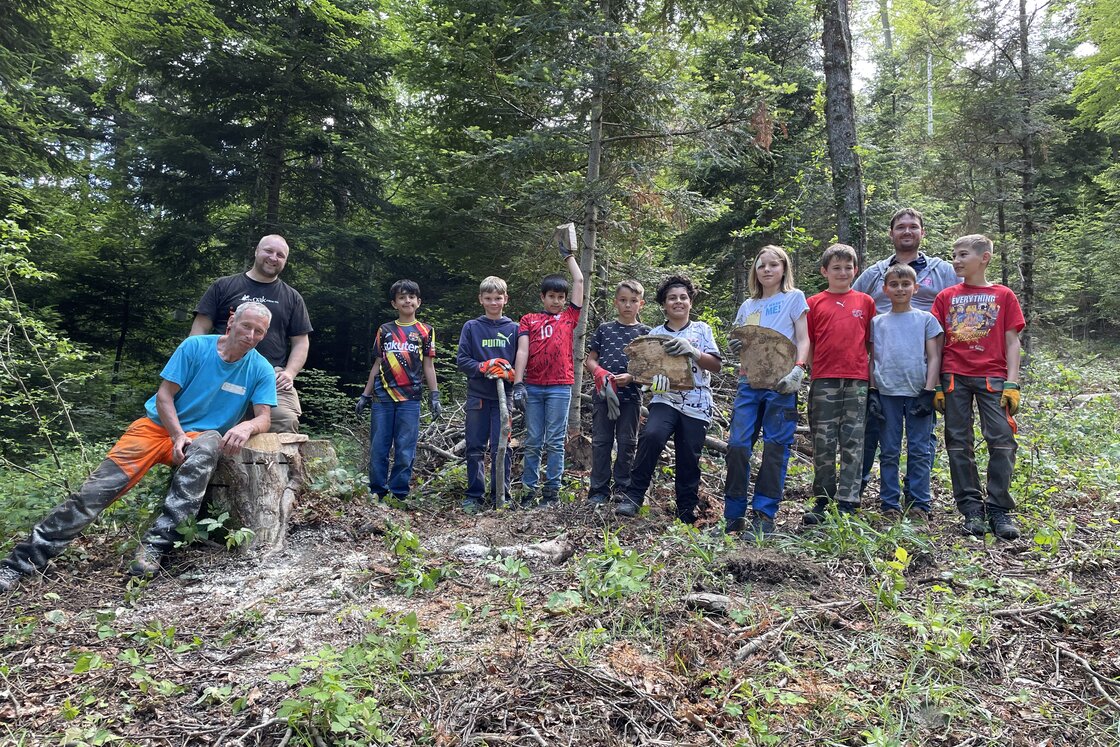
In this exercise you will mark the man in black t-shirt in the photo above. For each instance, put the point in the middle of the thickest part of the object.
(286, 344)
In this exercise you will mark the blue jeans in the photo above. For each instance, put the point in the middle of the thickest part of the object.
(919, 453)
(392, 425)
(775, 416)
(483, 427)
(546, 425)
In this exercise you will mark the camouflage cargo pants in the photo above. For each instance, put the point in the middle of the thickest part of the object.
(837, 413)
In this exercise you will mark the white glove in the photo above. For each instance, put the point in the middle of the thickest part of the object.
(659, 384)
(681, 346)
(791, 382)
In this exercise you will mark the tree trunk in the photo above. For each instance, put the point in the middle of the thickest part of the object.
(587, 254)
(847, 174)
(1026, 258)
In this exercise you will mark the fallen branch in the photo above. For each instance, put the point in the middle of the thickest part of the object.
(1027, 611)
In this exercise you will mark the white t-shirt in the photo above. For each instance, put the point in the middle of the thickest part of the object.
(695, 402)
(779, 312)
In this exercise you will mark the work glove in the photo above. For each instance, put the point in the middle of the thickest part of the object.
(434, 405)
(520, 396)
(659, 384)
(602, 378)
(923, 405)
(1009, 400)
(364, 401)
(791, 382)
(610, 396)
(496, 368)
(681, 346)
(874, 405)
(939, 399)
(736, 346)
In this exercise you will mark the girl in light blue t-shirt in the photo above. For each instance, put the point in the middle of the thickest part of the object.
(776, 304)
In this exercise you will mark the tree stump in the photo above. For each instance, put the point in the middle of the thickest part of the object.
(259, 486)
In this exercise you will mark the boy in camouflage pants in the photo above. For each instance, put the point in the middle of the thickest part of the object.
(840, 335)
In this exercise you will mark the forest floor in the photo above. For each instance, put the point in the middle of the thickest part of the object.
(405, 625)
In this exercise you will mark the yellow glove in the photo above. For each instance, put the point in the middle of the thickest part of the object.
(939, 399)
(1010, 398)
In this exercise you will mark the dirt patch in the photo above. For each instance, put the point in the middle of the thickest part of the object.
(758, 565)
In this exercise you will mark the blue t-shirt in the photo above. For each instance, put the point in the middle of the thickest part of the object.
(899, 347)
(213, 394)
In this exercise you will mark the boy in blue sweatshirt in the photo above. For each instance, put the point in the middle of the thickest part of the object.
(487, 345)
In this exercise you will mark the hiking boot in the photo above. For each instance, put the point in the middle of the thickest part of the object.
(598, 500)
(974, 525)
(762, 526)
(1002, 525)
(472, 506)
(734, 526)
(918, 517)
(146, 561)
(816, 515)
(847, 507)
(548, 498)
(627, 507)
(890, 515)
(9, 578)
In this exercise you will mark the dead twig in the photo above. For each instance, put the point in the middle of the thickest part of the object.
(1028, 611)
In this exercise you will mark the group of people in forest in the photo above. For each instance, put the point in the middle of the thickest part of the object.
(885, 349)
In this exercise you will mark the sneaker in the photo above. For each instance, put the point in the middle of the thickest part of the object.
(627, 507)
(890, 515)
(974, 525)
(9, 578)
(1002, 525)
(816, 515)
(146, 561)
(762, 526)
(918, 516)
(472, 506)
(598, 499)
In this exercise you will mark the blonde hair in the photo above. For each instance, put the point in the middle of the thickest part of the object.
(755, 287)
(633, 286)
(493, 284)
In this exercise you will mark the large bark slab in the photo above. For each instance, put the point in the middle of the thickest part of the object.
(766, 356)
(647, 358)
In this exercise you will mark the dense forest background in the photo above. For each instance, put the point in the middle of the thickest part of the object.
(145, 146)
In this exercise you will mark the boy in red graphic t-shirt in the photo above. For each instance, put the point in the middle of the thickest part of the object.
(840, 335)
(980, 362)
(543, 377)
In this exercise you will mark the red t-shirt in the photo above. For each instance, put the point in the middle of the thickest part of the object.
(839, 328)
(976, 320)
(550, 346)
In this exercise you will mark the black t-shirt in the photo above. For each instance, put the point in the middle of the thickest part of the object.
(608, 341)
(289, 314)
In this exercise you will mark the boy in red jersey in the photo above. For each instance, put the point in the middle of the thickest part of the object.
(543, 375)
(404, 351)
(840, 336)
(980, 362)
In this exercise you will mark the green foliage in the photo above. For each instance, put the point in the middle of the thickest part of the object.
(341, 691)
(413, 571)
(615, 573)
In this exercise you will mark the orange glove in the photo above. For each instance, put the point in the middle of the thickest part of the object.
(1009, 400)
(939, 399)
(496, 368)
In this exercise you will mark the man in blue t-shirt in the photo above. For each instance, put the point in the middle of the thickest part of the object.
(194, 417)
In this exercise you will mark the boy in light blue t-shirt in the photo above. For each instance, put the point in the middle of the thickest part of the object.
(905, 367)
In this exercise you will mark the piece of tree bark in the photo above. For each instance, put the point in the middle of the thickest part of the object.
(647, 358)
(766, 356)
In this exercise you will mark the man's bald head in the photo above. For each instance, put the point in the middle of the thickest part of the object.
(270, 258)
